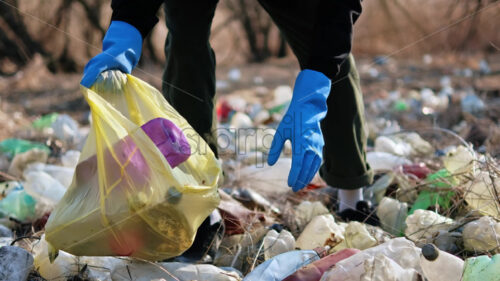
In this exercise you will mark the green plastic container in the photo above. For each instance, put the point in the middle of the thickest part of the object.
(18, 204)
(11, 147)
(45, 121)
(482, 268)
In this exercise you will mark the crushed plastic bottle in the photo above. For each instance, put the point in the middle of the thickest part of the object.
(277, 243)
(380, 267)
(482, 235)
(482, 268)
(66, 129)
(400, 250)
(422, 224)
(383, 161)
(459, 160)
(43, 187)
(392, 215)
(281, 266)
(481, 195)
(386, 144)
(307, 210)
(18, 204)
(22, 160)
(64, 175)
(438, 265)
(321, 231)
(404, 145)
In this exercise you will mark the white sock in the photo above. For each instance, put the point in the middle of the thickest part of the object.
(349, 197)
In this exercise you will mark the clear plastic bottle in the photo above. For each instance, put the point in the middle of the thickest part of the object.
(438, 265)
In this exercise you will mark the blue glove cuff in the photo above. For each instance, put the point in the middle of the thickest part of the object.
(311, 85)
(121, 34)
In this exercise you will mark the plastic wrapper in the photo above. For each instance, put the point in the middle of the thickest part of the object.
(422, 224)
(134, 193)
(482, 235)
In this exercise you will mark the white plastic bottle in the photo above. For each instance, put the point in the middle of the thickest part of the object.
(439, 265)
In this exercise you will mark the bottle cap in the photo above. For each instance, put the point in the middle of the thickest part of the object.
(430, 252)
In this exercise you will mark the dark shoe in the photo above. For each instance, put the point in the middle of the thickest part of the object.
(364, 213)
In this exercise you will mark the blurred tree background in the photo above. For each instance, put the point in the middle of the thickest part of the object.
(66, 33)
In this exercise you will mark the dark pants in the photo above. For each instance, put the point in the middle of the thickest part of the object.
(189, 82)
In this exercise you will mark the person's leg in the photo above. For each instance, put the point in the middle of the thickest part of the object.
(189, 86)
(189, 76)
(343, 128)
(345, 133)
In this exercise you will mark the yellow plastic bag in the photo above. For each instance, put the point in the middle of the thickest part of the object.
(125, 198)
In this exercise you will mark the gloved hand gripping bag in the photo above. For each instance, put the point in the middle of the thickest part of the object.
(145, 179)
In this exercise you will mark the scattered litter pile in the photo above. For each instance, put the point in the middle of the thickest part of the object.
(436, 194)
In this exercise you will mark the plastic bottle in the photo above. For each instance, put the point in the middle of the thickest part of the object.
(392, 215)
(43, 187)
(482, 235)
(482, 268)
(438, 265)
(383, 161)
(64, 175)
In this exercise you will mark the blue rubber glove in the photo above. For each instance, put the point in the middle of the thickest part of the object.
(121, 49)
(301, 125)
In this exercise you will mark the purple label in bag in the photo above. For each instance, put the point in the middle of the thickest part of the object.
(169, 139)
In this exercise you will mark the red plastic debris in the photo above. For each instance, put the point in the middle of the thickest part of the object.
(419, 170)
(314, 271)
